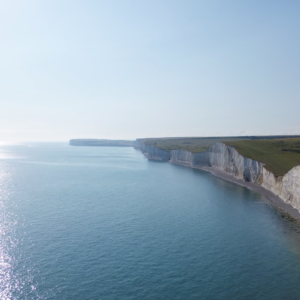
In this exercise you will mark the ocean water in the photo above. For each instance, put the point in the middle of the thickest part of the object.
(106, 223)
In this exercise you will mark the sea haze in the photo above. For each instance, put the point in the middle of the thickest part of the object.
(106, 223)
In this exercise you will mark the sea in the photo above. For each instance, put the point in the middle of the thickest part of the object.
(106, 223)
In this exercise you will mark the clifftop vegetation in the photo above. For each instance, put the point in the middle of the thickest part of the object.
(278, 155)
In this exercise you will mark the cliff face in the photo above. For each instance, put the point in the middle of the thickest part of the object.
(155, 153)
(228, 160)
(181, 157)
(152, 152)
(222, 157)
(287, 187)
(139, 145)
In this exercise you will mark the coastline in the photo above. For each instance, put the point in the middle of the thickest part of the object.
(287, 210)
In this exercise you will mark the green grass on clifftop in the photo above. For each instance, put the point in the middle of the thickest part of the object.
(194, 145)
(278, 155)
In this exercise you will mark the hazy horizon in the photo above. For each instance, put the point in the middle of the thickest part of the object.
(126, 70)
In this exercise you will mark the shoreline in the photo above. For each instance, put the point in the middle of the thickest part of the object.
(285, 208)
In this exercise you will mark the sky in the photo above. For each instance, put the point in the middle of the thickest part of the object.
(148, 68)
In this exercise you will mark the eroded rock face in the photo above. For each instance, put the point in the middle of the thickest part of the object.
(230, 161)
(287, 187)
(222, 157)
(156, 154)
(182, 157)
(227, 159)
(152, 152)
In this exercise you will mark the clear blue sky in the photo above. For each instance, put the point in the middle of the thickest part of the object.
(148, 68)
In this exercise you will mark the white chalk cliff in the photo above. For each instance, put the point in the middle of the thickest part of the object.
(228, 160)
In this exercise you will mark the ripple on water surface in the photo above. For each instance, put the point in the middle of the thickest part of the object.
(105, 223)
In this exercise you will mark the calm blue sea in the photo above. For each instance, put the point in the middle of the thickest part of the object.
(106, 223)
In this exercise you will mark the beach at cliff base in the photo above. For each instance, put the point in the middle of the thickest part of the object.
(275, 200)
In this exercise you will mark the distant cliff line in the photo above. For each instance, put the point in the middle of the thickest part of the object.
(226, 162)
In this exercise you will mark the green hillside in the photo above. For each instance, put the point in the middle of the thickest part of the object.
(279, 155)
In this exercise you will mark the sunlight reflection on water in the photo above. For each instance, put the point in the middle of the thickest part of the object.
(6, 229)
(6, 154)
(12, 281)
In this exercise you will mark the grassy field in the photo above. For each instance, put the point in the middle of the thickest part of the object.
(279, 154)
(194, 145)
